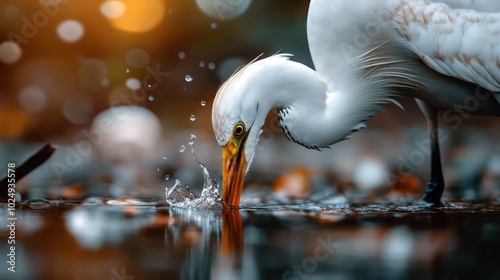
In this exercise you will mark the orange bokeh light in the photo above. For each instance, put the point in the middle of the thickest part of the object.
(139, 16)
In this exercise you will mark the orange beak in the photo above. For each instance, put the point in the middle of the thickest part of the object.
(234, 169)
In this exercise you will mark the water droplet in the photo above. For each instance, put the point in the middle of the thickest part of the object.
(149, 86)
(202, 64)
(167, 177)
(182, 149)
(192, 118)
(158, 169)
(127, 70)
(164, 157)
(211, 66)
(188, 78)
(191, 141)
(203, 103)
(214, 25)
(151, 98)
(182, 55)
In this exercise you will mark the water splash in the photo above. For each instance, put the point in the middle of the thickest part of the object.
(210, 185)
(179, 193)
(181, 196)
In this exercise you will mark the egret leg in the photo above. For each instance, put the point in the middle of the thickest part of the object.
(435, 186)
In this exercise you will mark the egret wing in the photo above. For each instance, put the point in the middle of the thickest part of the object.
(461, 43)
(490, 6)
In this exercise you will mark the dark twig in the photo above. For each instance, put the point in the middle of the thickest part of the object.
(29, 165)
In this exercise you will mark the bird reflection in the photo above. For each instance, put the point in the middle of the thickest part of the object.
(232, 232)
(219, 251)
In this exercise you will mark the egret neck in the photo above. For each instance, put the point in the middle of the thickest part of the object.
(308, 112)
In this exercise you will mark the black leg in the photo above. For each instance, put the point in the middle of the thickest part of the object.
(435, 186)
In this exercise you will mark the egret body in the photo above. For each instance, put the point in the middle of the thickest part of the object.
(366, 54)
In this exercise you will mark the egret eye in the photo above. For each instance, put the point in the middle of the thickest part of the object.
(239, 130)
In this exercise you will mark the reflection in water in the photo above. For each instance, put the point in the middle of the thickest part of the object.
(219, 248)
(232, 232)
(363, 241)
(94, 226)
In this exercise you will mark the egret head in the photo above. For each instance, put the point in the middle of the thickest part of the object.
(238, 114)
(243, 102)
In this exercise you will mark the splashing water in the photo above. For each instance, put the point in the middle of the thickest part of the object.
(179, 193)
(181, 196)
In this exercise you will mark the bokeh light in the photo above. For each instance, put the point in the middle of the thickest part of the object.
(92, 73)
(10, 52)
(128, 131)
(228, 67)
(11, 11)
(223, 9)
(133, 84)
(51, 2)
(33, 99)
(137, 58)
(70, 31)
(112, 9)
(138, 16)
(78, 109)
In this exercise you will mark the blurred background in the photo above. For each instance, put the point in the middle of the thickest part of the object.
(120, 86)
(69, 67)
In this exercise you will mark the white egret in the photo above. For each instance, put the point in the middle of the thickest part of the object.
(445, 54)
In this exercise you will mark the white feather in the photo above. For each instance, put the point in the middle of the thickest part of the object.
(455, 38)
(366, 54)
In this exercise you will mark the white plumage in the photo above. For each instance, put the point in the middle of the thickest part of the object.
(461, 43)
(366, 53)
